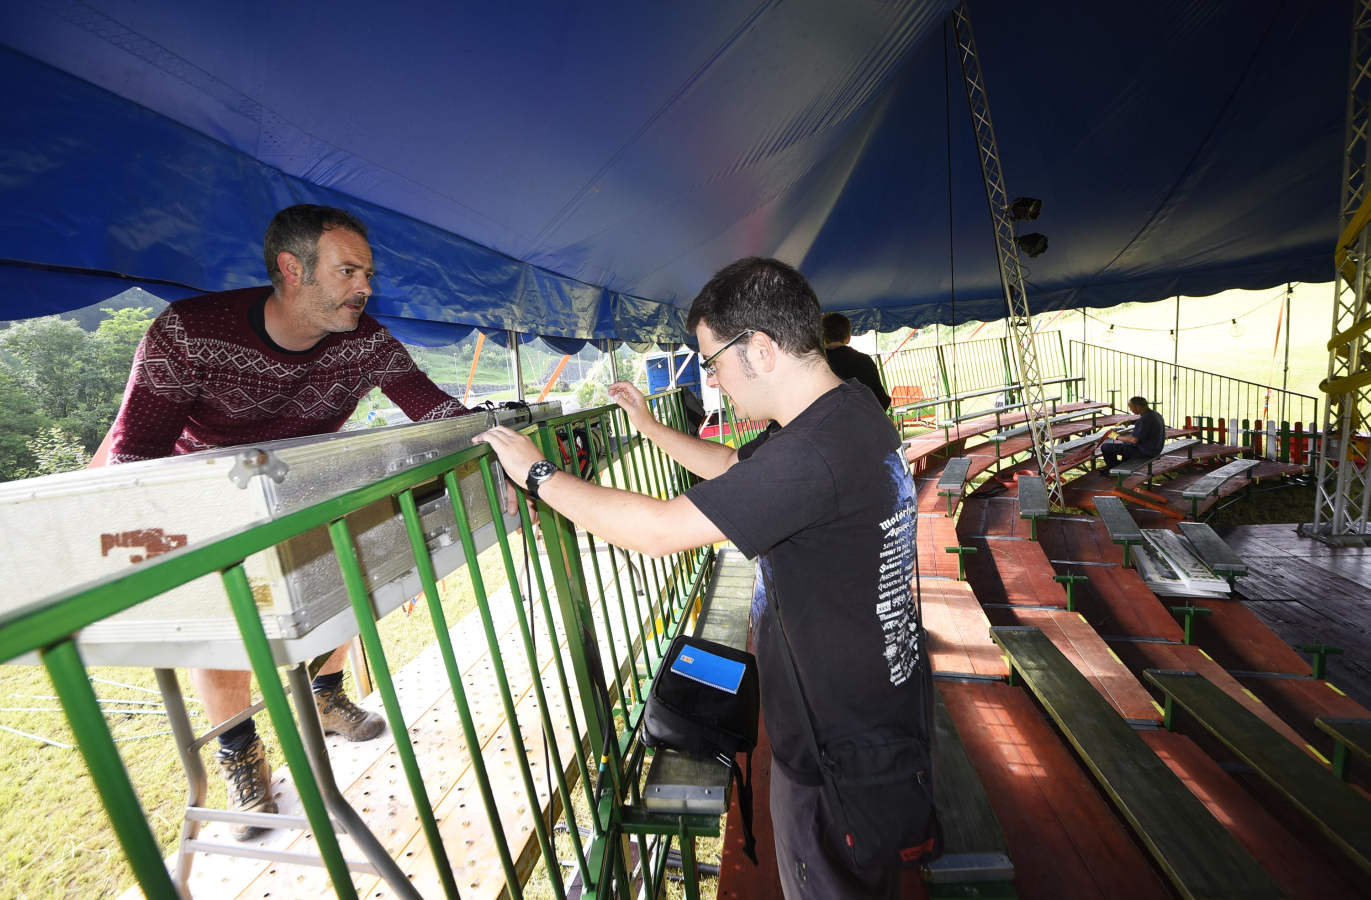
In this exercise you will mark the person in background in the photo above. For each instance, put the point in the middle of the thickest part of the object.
(848, 363)
(1142, 442)
(261, 364)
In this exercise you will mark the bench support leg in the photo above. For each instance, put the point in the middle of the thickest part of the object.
(1190, 612)
(1070, 582)
(1340, 759)
(961, 559)
(1321, 653)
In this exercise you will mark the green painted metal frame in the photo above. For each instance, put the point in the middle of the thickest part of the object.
(669, 589)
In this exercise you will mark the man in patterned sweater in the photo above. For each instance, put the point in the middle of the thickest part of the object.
(262, 364)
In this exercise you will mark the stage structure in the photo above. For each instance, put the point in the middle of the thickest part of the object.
(1344, 471)
(1019, 320)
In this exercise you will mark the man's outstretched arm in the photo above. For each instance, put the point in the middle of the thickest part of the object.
(633, 521)
(705, 458)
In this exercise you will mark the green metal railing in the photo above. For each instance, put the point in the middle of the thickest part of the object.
(1226, 409)
(616, 618)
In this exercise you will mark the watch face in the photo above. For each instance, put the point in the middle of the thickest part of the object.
(541, 471)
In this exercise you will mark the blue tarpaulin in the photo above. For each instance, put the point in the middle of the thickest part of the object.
(580, 170)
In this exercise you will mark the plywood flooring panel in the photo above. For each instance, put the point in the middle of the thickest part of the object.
(1091, 656)
(1299, 867)
(1148, 655)
(1063, 836)
(958, 631)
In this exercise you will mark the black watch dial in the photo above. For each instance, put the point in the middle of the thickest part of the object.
(539, 472)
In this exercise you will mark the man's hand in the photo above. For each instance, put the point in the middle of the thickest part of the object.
(632, 401)
(516, 453)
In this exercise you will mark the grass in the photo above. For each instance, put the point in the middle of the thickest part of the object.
(56, 839)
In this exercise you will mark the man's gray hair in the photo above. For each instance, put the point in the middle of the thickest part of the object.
(296, 230)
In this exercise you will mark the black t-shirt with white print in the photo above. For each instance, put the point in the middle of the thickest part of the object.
(827, 504)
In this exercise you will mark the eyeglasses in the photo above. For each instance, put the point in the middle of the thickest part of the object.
(708, 364)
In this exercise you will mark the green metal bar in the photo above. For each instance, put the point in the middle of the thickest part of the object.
(535, 672)
(530, 547)
(68, 674)
(292, 746)
(688, 871)
(353, 580)
(1340, 759)
(628, 558)
(636, 689)
(428, 578)
(502, 679)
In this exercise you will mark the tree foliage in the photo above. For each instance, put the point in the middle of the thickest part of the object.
(60, 388)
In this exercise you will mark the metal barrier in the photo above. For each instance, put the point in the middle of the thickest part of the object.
(1226, 409)
(605, 670)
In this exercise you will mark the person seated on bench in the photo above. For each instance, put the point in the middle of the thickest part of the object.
(1144, 441)
(848, 363)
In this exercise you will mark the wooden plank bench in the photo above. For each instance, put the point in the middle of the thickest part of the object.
(1119, 522)
(1137, 464)
(995, 411)
(974, 847)
(1032, 501)
(1347, 734)
(1343, 815)
(1213, 551)
(1199, 856)
(1210, 483)
(953, 479)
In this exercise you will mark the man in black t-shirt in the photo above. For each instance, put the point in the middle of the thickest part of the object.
(825, 502)
(848, 363)
(1144, 441)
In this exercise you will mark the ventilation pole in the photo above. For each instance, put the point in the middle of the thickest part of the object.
(1018, 319)
(1342, 492)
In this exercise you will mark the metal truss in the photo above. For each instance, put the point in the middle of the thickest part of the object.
(1344, 473)
(1019, 319)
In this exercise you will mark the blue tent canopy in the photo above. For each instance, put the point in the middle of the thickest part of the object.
(580, 170)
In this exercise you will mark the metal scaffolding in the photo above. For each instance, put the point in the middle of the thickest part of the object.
(1344, 474)
(1018, 318)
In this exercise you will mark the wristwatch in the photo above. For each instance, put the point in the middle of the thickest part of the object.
(539, 472)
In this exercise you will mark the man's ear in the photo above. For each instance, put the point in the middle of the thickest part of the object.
(292, 270)
(766, 351)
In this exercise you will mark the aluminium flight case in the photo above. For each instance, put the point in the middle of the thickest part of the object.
(77, 527)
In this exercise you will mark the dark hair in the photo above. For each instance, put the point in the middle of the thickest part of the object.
(837, 328)
(296, 230)
(1138, 401)
(765, 295)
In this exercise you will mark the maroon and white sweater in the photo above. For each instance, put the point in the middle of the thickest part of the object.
(202, 378)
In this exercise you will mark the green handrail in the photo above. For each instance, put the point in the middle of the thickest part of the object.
(614, 453)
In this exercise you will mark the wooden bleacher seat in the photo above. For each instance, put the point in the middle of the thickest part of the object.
(1210, 483)
(953, 479)
(1139, 463)
(1342, 814)
(1032, 500)
(993, 411)
(1349, 734)
(1199, 856)
(1214, 551)
(1119, 522)
(974, 847)
(1065, 447)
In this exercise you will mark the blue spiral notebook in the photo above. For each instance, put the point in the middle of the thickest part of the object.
(708, 668)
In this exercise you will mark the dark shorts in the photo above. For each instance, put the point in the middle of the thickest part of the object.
(808, 870)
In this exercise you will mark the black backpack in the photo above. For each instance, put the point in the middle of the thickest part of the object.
(705, 721)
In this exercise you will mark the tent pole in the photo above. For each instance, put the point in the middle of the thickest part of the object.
(518, 366)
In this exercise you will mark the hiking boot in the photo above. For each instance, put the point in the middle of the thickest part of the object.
(339, 715)
(249, 785)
